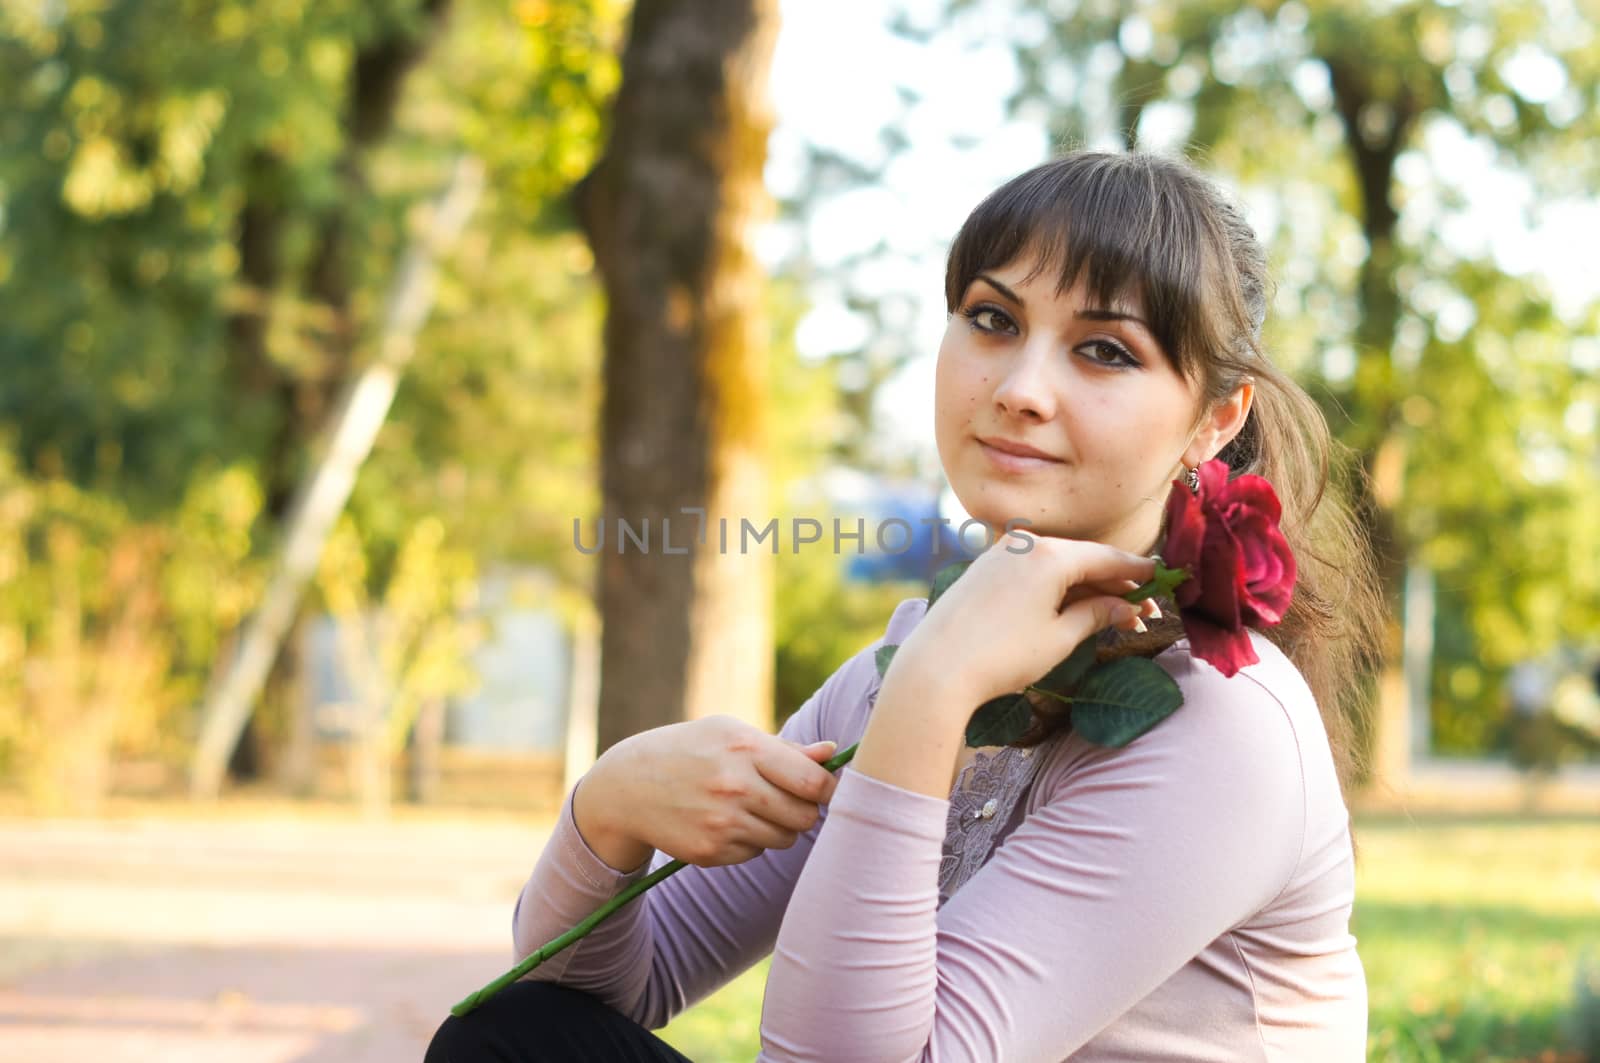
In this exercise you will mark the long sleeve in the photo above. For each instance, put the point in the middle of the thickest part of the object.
(1130, 862)
(699, 928)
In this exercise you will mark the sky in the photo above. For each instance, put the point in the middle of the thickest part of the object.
(959, 145)
(840, 80)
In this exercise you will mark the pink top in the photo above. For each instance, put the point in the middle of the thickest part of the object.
(1186, 897)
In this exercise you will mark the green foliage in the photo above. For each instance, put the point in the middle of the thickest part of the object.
(943, 579)
(121, 179)
(1065, 676)
(106, 624)
(142, 133)
(1121, 700)
(999, 721)
(822, 621)
(409, 642)
(532, 95)
(169, 174)
(495, 430)
(1112, 703)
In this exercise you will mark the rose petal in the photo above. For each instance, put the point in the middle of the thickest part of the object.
(1213, 479)
(1226, 651)
(1269, 568)
(1264, 552)
(1186, 530)
(1221, 589)
(1254, 492)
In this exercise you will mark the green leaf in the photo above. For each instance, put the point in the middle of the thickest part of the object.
(1164, 583)
(884, 655)
(1064, 676)
(944, 577)
(1000, 721)
(1121, 700)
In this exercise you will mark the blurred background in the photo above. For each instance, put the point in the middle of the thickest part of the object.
(332, 335)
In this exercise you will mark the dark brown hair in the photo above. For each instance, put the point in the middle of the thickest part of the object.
(1152, 230)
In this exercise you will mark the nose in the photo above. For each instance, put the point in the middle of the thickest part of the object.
(1025, 388)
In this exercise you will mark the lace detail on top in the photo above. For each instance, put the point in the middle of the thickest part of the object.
(981, 804)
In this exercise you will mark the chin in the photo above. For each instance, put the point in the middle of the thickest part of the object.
(999, 511)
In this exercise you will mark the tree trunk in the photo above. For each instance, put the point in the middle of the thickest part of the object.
(427, 742)
(668, 211)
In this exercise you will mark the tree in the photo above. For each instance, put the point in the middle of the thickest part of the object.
(210, 203)
(668, 210)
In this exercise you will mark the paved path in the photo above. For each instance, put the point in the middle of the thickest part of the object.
(248, 941)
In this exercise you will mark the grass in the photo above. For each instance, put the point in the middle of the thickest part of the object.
(1471, 932)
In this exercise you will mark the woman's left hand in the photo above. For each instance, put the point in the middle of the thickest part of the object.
(1014, 614)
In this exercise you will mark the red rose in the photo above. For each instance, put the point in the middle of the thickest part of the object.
(1241, 571)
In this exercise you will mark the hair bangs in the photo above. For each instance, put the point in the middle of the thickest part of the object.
(1110, 220)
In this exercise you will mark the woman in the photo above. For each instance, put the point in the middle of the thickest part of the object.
(1186, 897)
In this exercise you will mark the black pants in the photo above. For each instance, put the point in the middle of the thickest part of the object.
(531, 1022)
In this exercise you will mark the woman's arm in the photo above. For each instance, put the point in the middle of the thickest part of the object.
(704, 925)
(1137, 859)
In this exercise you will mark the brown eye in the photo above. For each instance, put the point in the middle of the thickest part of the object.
(1111, 354)
(990, 319)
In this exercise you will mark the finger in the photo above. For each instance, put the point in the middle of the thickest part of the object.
(792, 819)
(1145, 610)
(819, 751)
(1098, 563)
(784, 809)
(1098, 613)
(790, 770)
(763, 835)
(1148, 607)
(1092, 588)
(729, 854)
(822, 752)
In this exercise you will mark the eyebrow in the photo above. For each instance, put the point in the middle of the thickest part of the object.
(1090, 314)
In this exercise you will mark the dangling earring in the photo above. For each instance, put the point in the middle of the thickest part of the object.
(1191, 477)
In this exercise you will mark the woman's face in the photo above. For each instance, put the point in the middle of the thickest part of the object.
(1086, 386)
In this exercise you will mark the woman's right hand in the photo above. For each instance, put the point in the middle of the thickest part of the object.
(708, 792)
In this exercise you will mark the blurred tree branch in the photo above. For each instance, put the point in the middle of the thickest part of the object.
(322, 498)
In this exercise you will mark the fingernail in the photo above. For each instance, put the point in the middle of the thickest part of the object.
(832, 745)
(1138, 625)
(1155, 610)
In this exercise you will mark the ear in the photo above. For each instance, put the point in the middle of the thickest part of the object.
(1225, 421)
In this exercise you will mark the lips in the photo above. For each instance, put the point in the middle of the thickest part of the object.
(999, 456)
(1014, 448)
